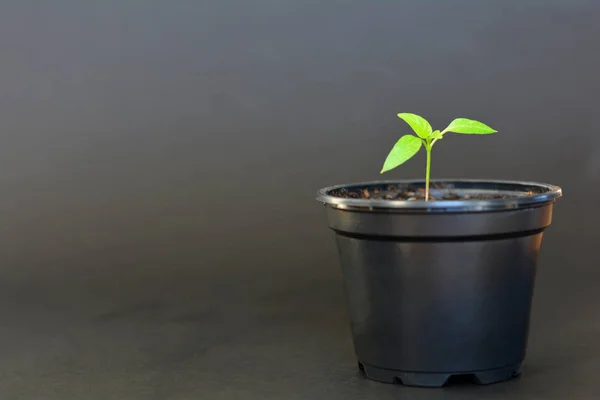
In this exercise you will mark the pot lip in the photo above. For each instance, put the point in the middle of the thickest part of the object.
(546, 193)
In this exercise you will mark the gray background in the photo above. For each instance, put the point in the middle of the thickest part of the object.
(158, 164)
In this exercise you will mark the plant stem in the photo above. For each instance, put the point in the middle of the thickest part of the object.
(427, 172)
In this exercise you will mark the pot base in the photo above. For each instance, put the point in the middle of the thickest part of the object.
(424, 379)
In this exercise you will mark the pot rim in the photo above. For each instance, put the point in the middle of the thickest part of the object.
(543, 194)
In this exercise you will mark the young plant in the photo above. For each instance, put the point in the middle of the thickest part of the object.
(409, 145)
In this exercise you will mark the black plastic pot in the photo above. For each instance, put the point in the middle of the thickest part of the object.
(440, 288)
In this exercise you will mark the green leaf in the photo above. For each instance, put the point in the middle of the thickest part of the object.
(403, 150)
(469, 126)
(418, 124)
(436, 135)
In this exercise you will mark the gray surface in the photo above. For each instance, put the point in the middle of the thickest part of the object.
(144, 254)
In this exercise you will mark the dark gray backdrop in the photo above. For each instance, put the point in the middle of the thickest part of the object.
(158, 163)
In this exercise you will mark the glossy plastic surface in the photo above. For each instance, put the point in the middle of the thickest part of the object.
(432, 295)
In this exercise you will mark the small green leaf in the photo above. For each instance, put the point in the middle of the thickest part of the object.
(418, 124)
(468, 126)
(436, 135)
(403, 150)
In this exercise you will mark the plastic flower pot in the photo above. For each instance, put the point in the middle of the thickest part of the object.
(440, 288)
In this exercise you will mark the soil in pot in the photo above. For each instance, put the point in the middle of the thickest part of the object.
(408, 192)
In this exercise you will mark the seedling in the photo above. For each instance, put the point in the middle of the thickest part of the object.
(409, 145)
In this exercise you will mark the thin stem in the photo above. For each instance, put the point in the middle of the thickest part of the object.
(427, 172)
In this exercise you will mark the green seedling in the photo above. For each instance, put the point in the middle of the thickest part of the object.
(409, 145)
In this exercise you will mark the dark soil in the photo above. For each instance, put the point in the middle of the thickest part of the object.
(408, 193)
